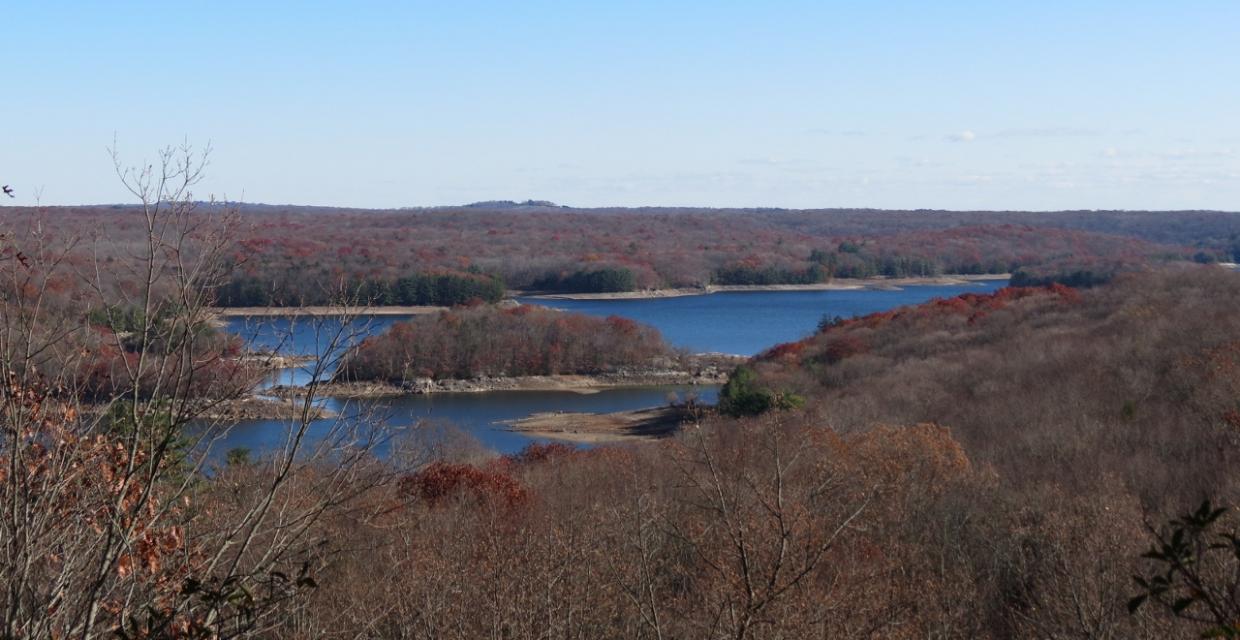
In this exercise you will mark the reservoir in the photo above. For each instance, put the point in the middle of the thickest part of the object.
(743, 323)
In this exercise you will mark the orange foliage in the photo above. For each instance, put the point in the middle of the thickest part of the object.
(441, 481)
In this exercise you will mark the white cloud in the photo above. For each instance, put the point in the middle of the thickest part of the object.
(963, 136)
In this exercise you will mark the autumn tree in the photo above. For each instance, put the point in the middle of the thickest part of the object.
(108, 524)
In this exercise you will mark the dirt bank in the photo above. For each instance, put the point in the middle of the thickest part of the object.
(255, 408)
(574, 383)
(597, 428)
(276, 361)
(696, 369)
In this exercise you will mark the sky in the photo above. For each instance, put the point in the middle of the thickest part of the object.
(948, 104)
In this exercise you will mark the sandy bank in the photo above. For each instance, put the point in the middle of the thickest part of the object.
(275, 360)
(839, 284)
(598, 428)
(702, 369)
(573, 383)
(255, 408)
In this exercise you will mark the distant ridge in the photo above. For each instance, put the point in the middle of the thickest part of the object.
(509, 204)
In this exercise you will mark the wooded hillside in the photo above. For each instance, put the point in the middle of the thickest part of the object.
(287, 256)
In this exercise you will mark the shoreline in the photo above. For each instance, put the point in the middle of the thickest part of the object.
(693, 370)
(273, 361)
(582, 384)
(838, 284)
(256, 407)
(646, 424)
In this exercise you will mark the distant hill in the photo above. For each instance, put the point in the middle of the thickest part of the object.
(509, 204)
(290, 254)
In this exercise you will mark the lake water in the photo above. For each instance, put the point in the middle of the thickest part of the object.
(746, 323)
(740, 323)
(477, 414)
(327, 337)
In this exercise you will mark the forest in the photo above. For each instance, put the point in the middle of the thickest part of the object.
(382, 401)
(1029, 463)
(485, 340)
(1043, 461)
(1146, 361)
(422, 289)
(286, 256)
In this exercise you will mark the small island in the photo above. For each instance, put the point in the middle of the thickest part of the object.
(491, 348)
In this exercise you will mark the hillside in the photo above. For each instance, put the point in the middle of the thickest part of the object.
(1137, 381)
(985, 466)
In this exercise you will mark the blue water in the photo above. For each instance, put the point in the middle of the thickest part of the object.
(477, 415)
(740, 323)
(746, 323)
(307, 335)
(326, 337)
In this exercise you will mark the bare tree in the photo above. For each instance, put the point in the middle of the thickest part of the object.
(765, 524)
(113, 521)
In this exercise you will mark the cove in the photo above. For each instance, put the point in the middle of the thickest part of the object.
(746, 323)
(479, 415)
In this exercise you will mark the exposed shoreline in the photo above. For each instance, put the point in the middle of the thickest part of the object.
(839, 284)
(601, 428)
(585, 384)
(269, 360)
(575, 384)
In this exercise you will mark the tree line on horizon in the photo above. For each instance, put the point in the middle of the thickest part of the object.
(286, 256)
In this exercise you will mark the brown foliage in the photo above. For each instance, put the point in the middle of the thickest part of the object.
(1056, 385)
(441, 481)
(315, 255)
(490, 341)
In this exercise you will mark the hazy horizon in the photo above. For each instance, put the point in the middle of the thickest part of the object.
(483, 205)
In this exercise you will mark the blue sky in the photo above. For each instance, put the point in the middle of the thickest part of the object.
(950, 104)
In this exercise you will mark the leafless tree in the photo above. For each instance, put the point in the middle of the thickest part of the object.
(114, 518)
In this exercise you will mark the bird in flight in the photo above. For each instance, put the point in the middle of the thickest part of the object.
(8, 191)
